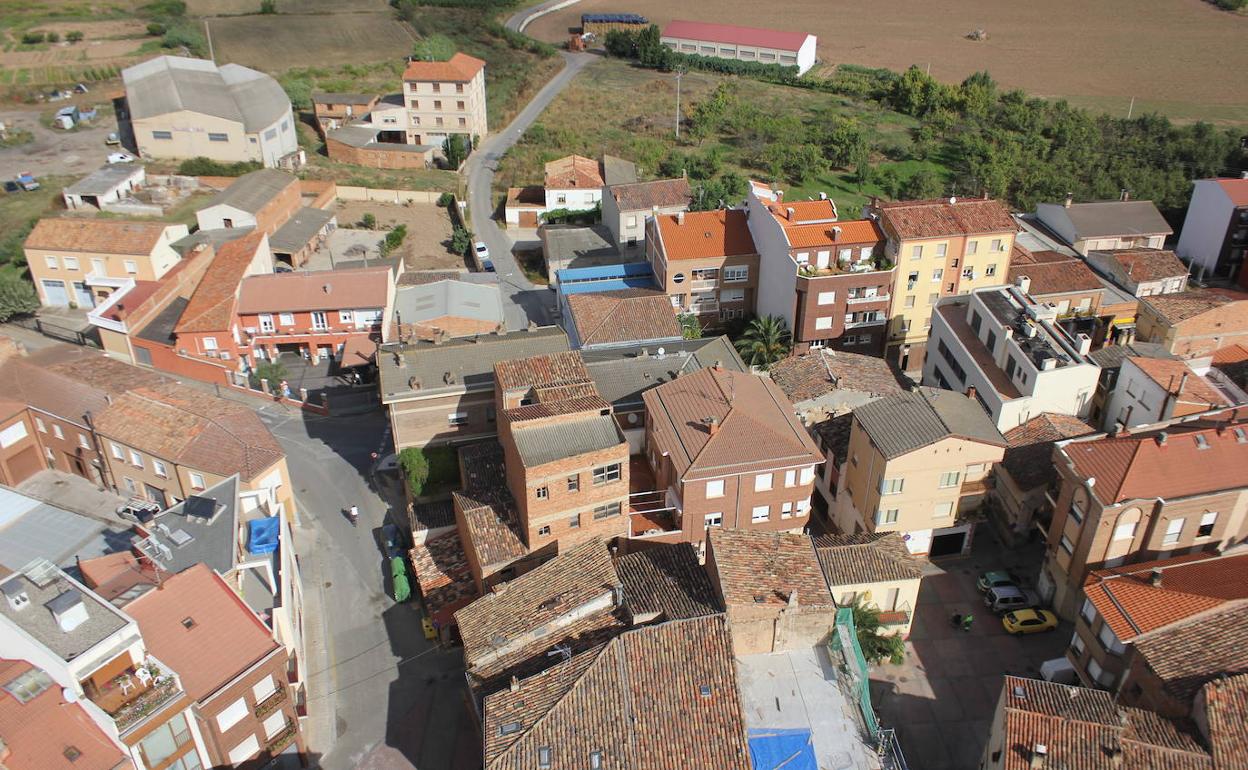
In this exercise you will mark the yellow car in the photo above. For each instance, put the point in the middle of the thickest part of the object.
(1029, 621)
(426, 625)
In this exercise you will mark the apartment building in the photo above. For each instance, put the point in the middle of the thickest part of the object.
(940, 247)
(1119, 501)
(1196, 322)
(1085, 302)
(726, 450)
(626, 207)
(1142, 271)
(706, 261)
(1128, 603)
(917, 463)
(82, 261)
(827, 278)
(1152, 390)
(66, 639)
(1023, 481)
(1008, 351)
(1120, 224)
(1214, 237)
(445, 98)
(875, 570)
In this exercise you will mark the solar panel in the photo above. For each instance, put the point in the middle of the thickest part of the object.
(202, 508)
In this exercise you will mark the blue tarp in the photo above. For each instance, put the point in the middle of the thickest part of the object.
(262, 535)
(782, 749)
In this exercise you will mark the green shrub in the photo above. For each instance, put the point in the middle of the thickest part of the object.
(273, 372)
(53, 37)
(393, 239)
(17, 296)
(415, 469)
(461, 241)
(368, 221)
(299, 91)
(164, 8)
(33, 37)
(209, 167)
(434, 48)
(268, 7)
(74, 36)
(156, 29)
(446, 200)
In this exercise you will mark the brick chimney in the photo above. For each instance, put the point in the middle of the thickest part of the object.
(712, 425)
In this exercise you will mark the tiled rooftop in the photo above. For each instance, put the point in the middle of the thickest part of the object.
(1028, 458)
(666, 581)
(866, 558)
(487, 507)
(823, 371)
(767, 567)
(444, 577)
(1198, 650)
(625, 315)
(706, 234)
(946, 217)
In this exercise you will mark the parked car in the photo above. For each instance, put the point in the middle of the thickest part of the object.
(995, 578)
(487, 265)
(121, 157)
(1009, 598)
(1029, 621)
(27, 182)
(482, 251)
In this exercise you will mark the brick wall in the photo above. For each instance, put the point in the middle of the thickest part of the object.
(378, 158)
(272, 708)
(738, 501)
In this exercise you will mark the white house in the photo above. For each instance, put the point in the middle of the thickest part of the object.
(1120, 224)
(749, 44)
(1214, 239)
(104, 186)
(1150, 390)
(1008, 350)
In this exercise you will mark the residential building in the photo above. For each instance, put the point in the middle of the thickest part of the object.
(1045, 724)
(917, 463)
(876, 570)
(83, 261)
(572, 247)
(940, 247)
(1007, 351)
(772, 587)
(827, 278)
(1119, 501)
(625, 207)
(445, 309)
(1085, 302)
(105, 186)
(1130, 603)
(443, 393)
(1196, 322)
(335, 110)
(1023, 482)
(748, 44)
(87, 652)
(272, 202)
(1110, 359)
(445, 98)
(620, 317)
(575, 183)
(1142, 271)
(1215, 233)
(1195, 666)
(827, 382)
(726, 450)
(1152, 390)
(379, 140)
(706, 261)
(177, 107)
(242, 700)
(1120, 224)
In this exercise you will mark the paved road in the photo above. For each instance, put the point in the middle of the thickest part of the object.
(524, 301)
(520, 19)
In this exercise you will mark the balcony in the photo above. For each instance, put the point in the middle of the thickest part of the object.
(703, 284)
(870, 321)
(278, 742)
(271, 703)
(865, 300)
(895, 618)
(135, 693)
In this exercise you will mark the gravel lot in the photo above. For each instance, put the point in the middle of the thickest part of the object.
(55, 153)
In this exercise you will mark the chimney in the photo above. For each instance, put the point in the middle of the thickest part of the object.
(780, 196)
(823, 196)
(1024, 284)
(645, 353)
(793, 599)
(327, 288)
(1161, 438)
(1070, 198)
(789, 213)
(680, 217)
(1125, 195)
(1038, 754)
(515, 684)
(971, 393)
(413, 383)
(69, 610)
(712, 425)
(953, 200)
(449, 378)
(1154, 579)
(836, 233)
(1182, 385)
(719, 366)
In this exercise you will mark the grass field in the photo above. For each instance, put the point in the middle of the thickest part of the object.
(1186, 58)
(615, 108)
(281, 41)
(240, 7)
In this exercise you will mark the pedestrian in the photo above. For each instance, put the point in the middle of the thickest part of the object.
(285, 388)
(966, 622)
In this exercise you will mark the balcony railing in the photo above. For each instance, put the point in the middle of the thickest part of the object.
(863, 300)
(278, 742)
(271, 703)
(703, 284)
(867, 322)
(151, 700)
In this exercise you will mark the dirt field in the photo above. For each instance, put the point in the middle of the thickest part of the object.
(239, 7)
(1182, 57)
(280, 42)
(428, 231)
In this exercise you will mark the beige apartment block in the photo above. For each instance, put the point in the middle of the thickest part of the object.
(445, 98)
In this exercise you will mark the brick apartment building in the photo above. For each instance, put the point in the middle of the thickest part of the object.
(1194, 323)
(1117, 499)
(706, 262)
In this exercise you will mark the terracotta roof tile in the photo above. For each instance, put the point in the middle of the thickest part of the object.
(97, 236)
(856, 559)
(1175, 308)
(824, 371)
(666, 581)
(1171, 374)
(1236, 190)
(766, 567)
(39, 732)
(1133, 601)
(1226, 709)
(224, 640)
(644, 196)
(1028, 456)
(444, 576)
(573, 171)
(1056, 277)
(1187, 655)
(1144, 265)
(939, 217)
(212, 306)
(816, 223)
(548, 370)
(487, 507)
(322, 290)
(460, 68)
(706, 234)
(626, 315)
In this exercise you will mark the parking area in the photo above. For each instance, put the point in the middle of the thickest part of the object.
(54, 152)
(941, 700)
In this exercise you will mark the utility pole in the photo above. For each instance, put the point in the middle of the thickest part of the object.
(679, 73)
(1131, 108)
(208, 34)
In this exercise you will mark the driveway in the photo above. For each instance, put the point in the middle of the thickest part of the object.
(942, 699)
(57, 153)
(524, 302)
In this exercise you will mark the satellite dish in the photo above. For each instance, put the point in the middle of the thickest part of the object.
(661, 351)
(69, 695)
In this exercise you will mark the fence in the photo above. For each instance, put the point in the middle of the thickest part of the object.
(90, 338)
(349, 193)
(845, 641)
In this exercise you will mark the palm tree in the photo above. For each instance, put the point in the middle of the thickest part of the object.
(765, 341)
(876, 645)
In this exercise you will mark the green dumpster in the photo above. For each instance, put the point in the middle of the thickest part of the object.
(398, 575)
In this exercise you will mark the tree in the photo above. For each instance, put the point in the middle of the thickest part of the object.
(621, 44)
(17, 297)
(690, 327)
(875, 643)
(446, 200)
(765, 341)
(434, 48)
(415, 468)
(268, 7)
(74, 36)
(299, 91)
(393, 240)
(368, 221)
(650, 49)
(456, 149)
(273, 371)
(923, 184)
(461, 241)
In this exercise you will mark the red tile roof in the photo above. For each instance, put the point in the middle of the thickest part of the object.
(815, 223)
(38, 734)
(320, 290)
(1053, 276)
(211, 307)
(938, 217)
(626, 315)
(706, 235)
(1028, 456)
(444, 577)
(460, 68)
(1143, 265)
(1171, 374)
(1199, 649)
(573, 171)
(644, 196)
(728, 33)
(1236, 190)
(764, 568)
(1226, 709)
(825, 371)
(1136, 467)
(224, 637)
(96, 236)
(1144, 597)
(1175, 308)
(541, 372)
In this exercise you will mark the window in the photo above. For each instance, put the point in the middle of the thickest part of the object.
(543, 531)
(1173, 529)
(71, 263)
(950, 479)
(457, 418)
(270, 135)
(942, 249)
(968, 273)
(136, 459)
(715, 488)
(346, 316)
(437, 104)
(213, 137)
(909, 300)
(245, 750)
(1076, 644)
(319, 321)
(827, 297)
(786, 510)
(51, 263)
(574, 522)
(714, 519)
(197, 481)
(1109, 640)
(606, 511)
(916, 252)
(937, 274)
(1125, 531)
(543, 757)
(891, 486)
(887, 516)
(1094, 670)
(574, 483)
(762, 482)
(118, 453)
(437, 88)
(790, 478)
(760, 513)
(210, 343)
(162, 134)
(997, 245)
(606, 474)
(285, 319)
(232, 714)
(943, 510)
(264, 688)
(932, 298)
(991, 342)
(542, 493)
(39, 426)
(736, 273)
(824, 322)
(132, 267)
(732, 295)
(808, 475)
(159, 469)
(27, 686)
(129, 484)
(164, 741)
(1067, 546)
(971, 247)
(990, 270)
(266, 322)
(275, 723)
(1206, 525)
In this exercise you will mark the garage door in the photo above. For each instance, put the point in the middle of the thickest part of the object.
(83, 297)
(947, 545)
(528, 219)
(54, 292)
